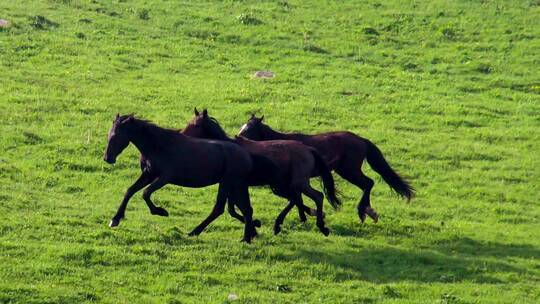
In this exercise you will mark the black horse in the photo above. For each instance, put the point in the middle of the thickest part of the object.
(344, 152)
(168, 157)
(296, 162)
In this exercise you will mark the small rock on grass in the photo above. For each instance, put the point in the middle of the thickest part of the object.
(232, 297)
(283, 288)
(264, 74)
(4, 23)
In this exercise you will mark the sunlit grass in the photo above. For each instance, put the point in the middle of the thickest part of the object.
(449, 90)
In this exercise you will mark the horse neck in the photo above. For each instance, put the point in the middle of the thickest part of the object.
(270, 134)
(220, 135)
(149, 139)
(227, 138)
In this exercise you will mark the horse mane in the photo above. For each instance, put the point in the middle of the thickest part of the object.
(266, 128)
(268, 131)
(273, 134)
(212, 126)
(154, 129)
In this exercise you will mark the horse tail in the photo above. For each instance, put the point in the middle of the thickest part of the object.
(327, 179)
(377, 162)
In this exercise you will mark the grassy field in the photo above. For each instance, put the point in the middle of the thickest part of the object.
(449, 90)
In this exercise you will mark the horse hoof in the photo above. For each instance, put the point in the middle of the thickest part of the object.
(372, 214)
(160, 211)
(114, 223)
(246, 240)
(277, 230)
(257, 223)
(362, 217)
(325, 231)
(193, 233)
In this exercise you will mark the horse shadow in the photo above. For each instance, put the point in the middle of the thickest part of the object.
(391, 265)
(456, 260)
(462, 245)
(468, 246)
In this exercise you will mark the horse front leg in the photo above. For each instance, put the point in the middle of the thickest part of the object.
(218, 210)
(140, 183)
(317, 197)
(154, 186)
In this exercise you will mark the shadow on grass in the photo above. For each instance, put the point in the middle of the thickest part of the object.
(453, 245)
(456, 259)
(468, 246)
(387, 265)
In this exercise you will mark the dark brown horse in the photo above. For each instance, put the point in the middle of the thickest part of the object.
(344, 152)
(168, 157)
(296, 161)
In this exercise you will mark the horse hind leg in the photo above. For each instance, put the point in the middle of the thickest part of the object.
(295, 200)
(240, 196)
(302, 213)
(365, 183)
(317, 197)
(232, 211)
(302, 209)
(364, 207)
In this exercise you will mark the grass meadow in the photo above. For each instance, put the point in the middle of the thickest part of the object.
(448, 90)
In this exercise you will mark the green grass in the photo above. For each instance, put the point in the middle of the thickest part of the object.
(449, 90)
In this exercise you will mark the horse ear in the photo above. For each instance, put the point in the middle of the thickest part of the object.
(128, 119)
(261, 119)
(117, 115)
(252, 115)
(196, 112)
(205, 112)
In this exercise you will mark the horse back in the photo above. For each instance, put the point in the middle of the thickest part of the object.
(333, 146)
(280, 152)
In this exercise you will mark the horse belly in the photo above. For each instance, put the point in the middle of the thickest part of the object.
(206, 170)
(194, 181)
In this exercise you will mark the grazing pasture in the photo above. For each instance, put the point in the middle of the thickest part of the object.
(448, 90)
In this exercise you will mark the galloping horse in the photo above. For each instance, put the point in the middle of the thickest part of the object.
(344, 152)
(168, 157)
(296, 161)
